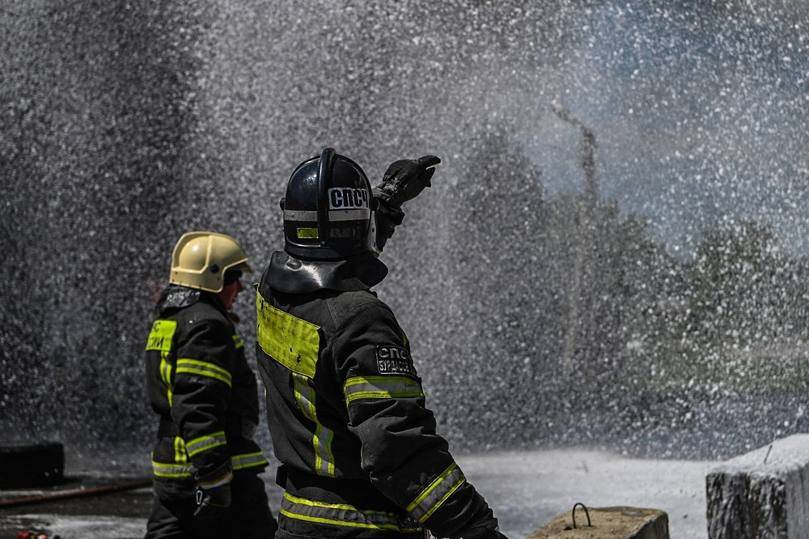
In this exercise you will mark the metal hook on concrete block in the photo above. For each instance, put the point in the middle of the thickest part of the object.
(586, 512)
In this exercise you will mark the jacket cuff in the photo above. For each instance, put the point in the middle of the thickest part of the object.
(221, 475)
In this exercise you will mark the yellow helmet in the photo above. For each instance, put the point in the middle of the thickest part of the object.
(200, 260)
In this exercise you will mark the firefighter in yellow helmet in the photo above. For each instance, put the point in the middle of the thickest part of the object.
(359, 449)
(205, 461)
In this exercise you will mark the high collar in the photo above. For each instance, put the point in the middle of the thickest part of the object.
(290, 275)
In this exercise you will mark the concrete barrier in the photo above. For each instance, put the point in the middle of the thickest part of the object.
(28, 465)
(607, 523)
(764, 493)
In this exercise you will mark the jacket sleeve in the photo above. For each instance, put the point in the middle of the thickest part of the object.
(201, 391)
(404, 457)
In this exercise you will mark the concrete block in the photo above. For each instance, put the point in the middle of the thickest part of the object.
(608, 523)
(31, 465)
(764, 493)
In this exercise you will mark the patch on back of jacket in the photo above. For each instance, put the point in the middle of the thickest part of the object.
(391, 359)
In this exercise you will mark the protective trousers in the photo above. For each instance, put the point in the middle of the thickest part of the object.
(174, 505)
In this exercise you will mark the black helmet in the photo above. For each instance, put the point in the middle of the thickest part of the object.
(328, 209)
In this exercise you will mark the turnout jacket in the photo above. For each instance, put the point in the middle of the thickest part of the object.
(201, 386)
(359, 450)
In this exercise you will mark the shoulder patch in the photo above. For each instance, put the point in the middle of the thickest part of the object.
(161, 335)
(391, 359)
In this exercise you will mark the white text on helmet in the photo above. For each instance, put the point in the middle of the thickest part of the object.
(343, 198)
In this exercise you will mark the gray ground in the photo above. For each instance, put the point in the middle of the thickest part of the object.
(525, 488)
(528, 488)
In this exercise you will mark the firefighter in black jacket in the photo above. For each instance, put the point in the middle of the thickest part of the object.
(359, 450)
(205, 461)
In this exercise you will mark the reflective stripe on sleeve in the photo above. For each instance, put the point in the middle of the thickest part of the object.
(436, 493)
(381, 387)
(344, 515)
(204, 443)
(171, 471)
(238, 341)
(203, 368)
(248, 460)
(182, 470)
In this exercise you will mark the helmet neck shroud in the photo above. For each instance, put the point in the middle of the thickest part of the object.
(328, 212)
(289, 275)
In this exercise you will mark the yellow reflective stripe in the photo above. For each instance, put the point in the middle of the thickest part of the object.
(180, 454)
(381, 387)
(322, 437)
(305, 233)
(238, 341)
(165, 371)
(455, 486)
(313, 503)
(204, 443)
(436, 493)
(172, 471)
(324, 459)
(248, 460)
(343, 515)
(289, 340)
(304, 396)
(165, 374)
(160, 339)
(334, 522)
(203, 368)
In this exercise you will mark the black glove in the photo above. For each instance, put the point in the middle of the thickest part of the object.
(405, 179)
(212, 504)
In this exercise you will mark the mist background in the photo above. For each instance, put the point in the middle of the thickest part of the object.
(613, 252)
